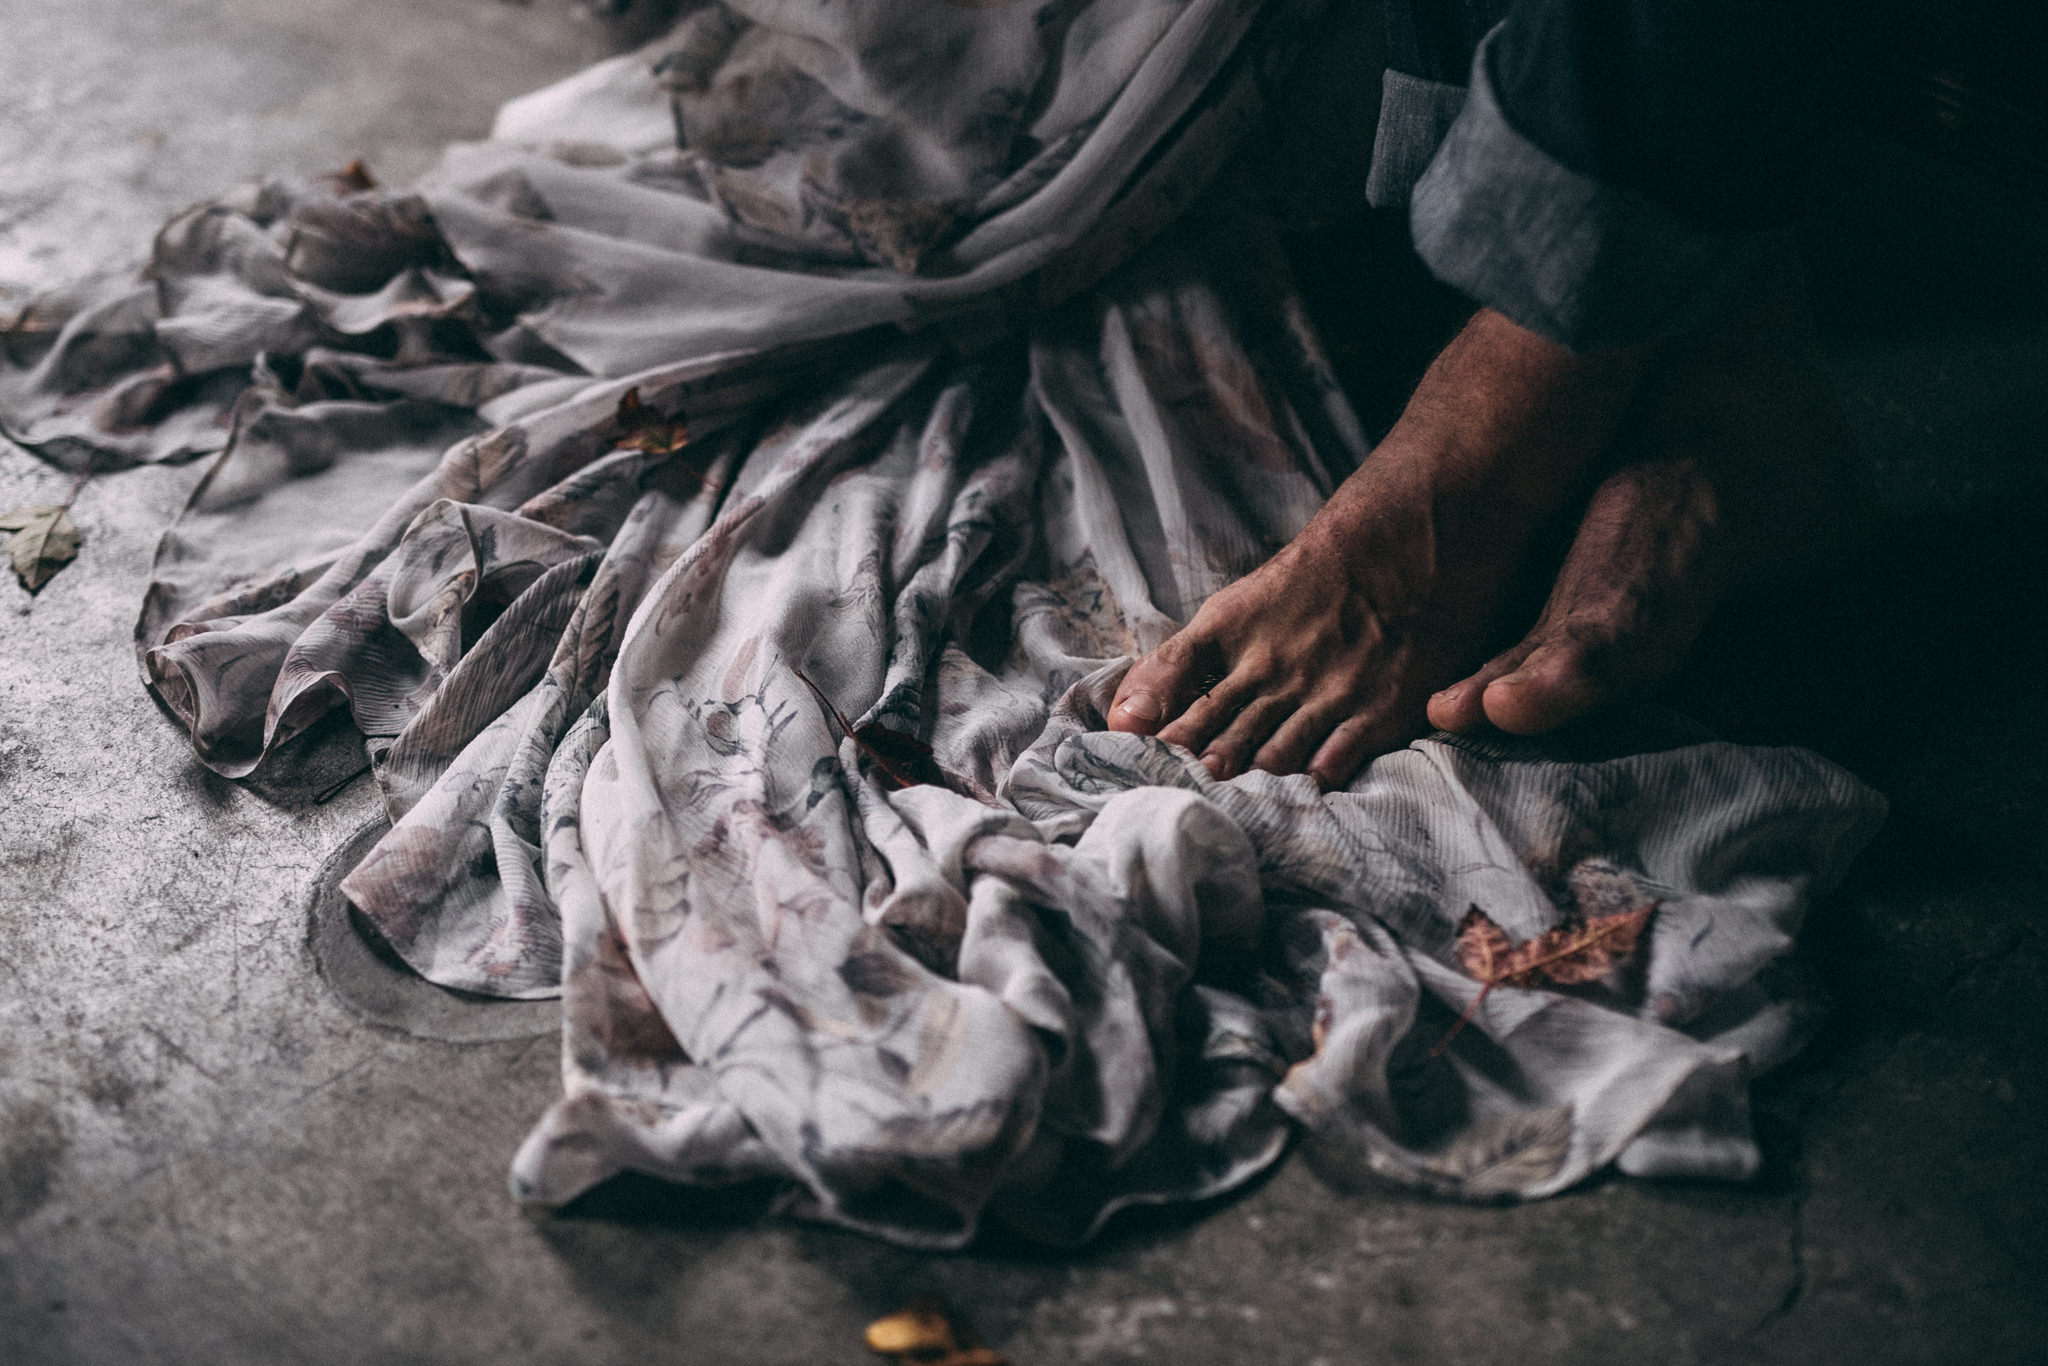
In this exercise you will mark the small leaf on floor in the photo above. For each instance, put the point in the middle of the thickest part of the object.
(924, 1335)
(45, 539)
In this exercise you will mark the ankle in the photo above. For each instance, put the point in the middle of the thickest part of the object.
(1507, 415)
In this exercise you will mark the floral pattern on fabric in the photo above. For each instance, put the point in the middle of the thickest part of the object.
(983, 398)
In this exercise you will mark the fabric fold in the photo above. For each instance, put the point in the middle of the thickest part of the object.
(718, 508)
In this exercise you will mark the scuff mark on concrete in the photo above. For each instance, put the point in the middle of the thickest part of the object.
(1795, 1251)
(32, 1152)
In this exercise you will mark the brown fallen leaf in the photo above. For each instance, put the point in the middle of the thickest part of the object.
(642, 428)
(1570, 955)
(912, 1332)
(924, 1335)
(905, 759)
(900, 760)
(45, 539)
(353, 178)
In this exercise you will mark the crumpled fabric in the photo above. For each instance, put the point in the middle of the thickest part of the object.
(984, 398)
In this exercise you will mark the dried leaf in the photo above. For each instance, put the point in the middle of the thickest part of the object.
(1482, 946)
(912, 1332)
(45, 539)
(1570, 955)
(641, 428)
(900, 760)
(1576, 953)
(904, 759)
(353, 178)
(924, 1335)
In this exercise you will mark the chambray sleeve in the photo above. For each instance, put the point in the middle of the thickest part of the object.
(1609, 171)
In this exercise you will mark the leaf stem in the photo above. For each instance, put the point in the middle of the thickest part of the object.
(1471, 1010)
(1610, 927)
(92, 467)
(845, 725)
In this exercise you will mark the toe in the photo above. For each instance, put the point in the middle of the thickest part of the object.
(1230, 753)
(1299, 736)
(1461, 707)
(1348, 747)
(1160, 686)
(1213, 711)
(1555, 685)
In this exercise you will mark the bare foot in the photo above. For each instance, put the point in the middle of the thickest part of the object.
(1737, 474)
(1326, 655)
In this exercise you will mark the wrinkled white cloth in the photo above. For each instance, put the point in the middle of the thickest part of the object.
(970, 426)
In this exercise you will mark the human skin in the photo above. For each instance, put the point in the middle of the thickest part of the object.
(1696, 469)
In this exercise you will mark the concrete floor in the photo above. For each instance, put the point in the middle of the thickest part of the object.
(206, 1158)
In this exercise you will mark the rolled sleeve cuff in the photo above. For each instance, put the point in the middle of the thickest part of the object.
(1585, 264)
(1415, 117)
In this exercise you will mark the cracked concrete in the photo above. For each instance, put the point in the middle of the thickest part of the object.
(207, 1156)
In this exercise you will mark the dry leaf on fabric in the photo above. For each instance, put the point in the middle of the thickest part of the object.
(923, 1334)
(905, 760)
(1570, 955)
(353, 178)
(899, 760)
(642, 428)
(45, 539)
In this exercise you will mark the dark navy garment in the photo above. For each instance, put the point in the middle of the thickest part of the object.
(1606, 171)
(1433, 40)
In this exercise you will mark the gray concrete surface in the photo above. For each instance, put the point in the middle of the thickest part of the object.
(205, 1157)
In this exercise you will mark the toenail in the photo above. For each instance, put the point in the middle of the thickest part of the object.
(1142, 705)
